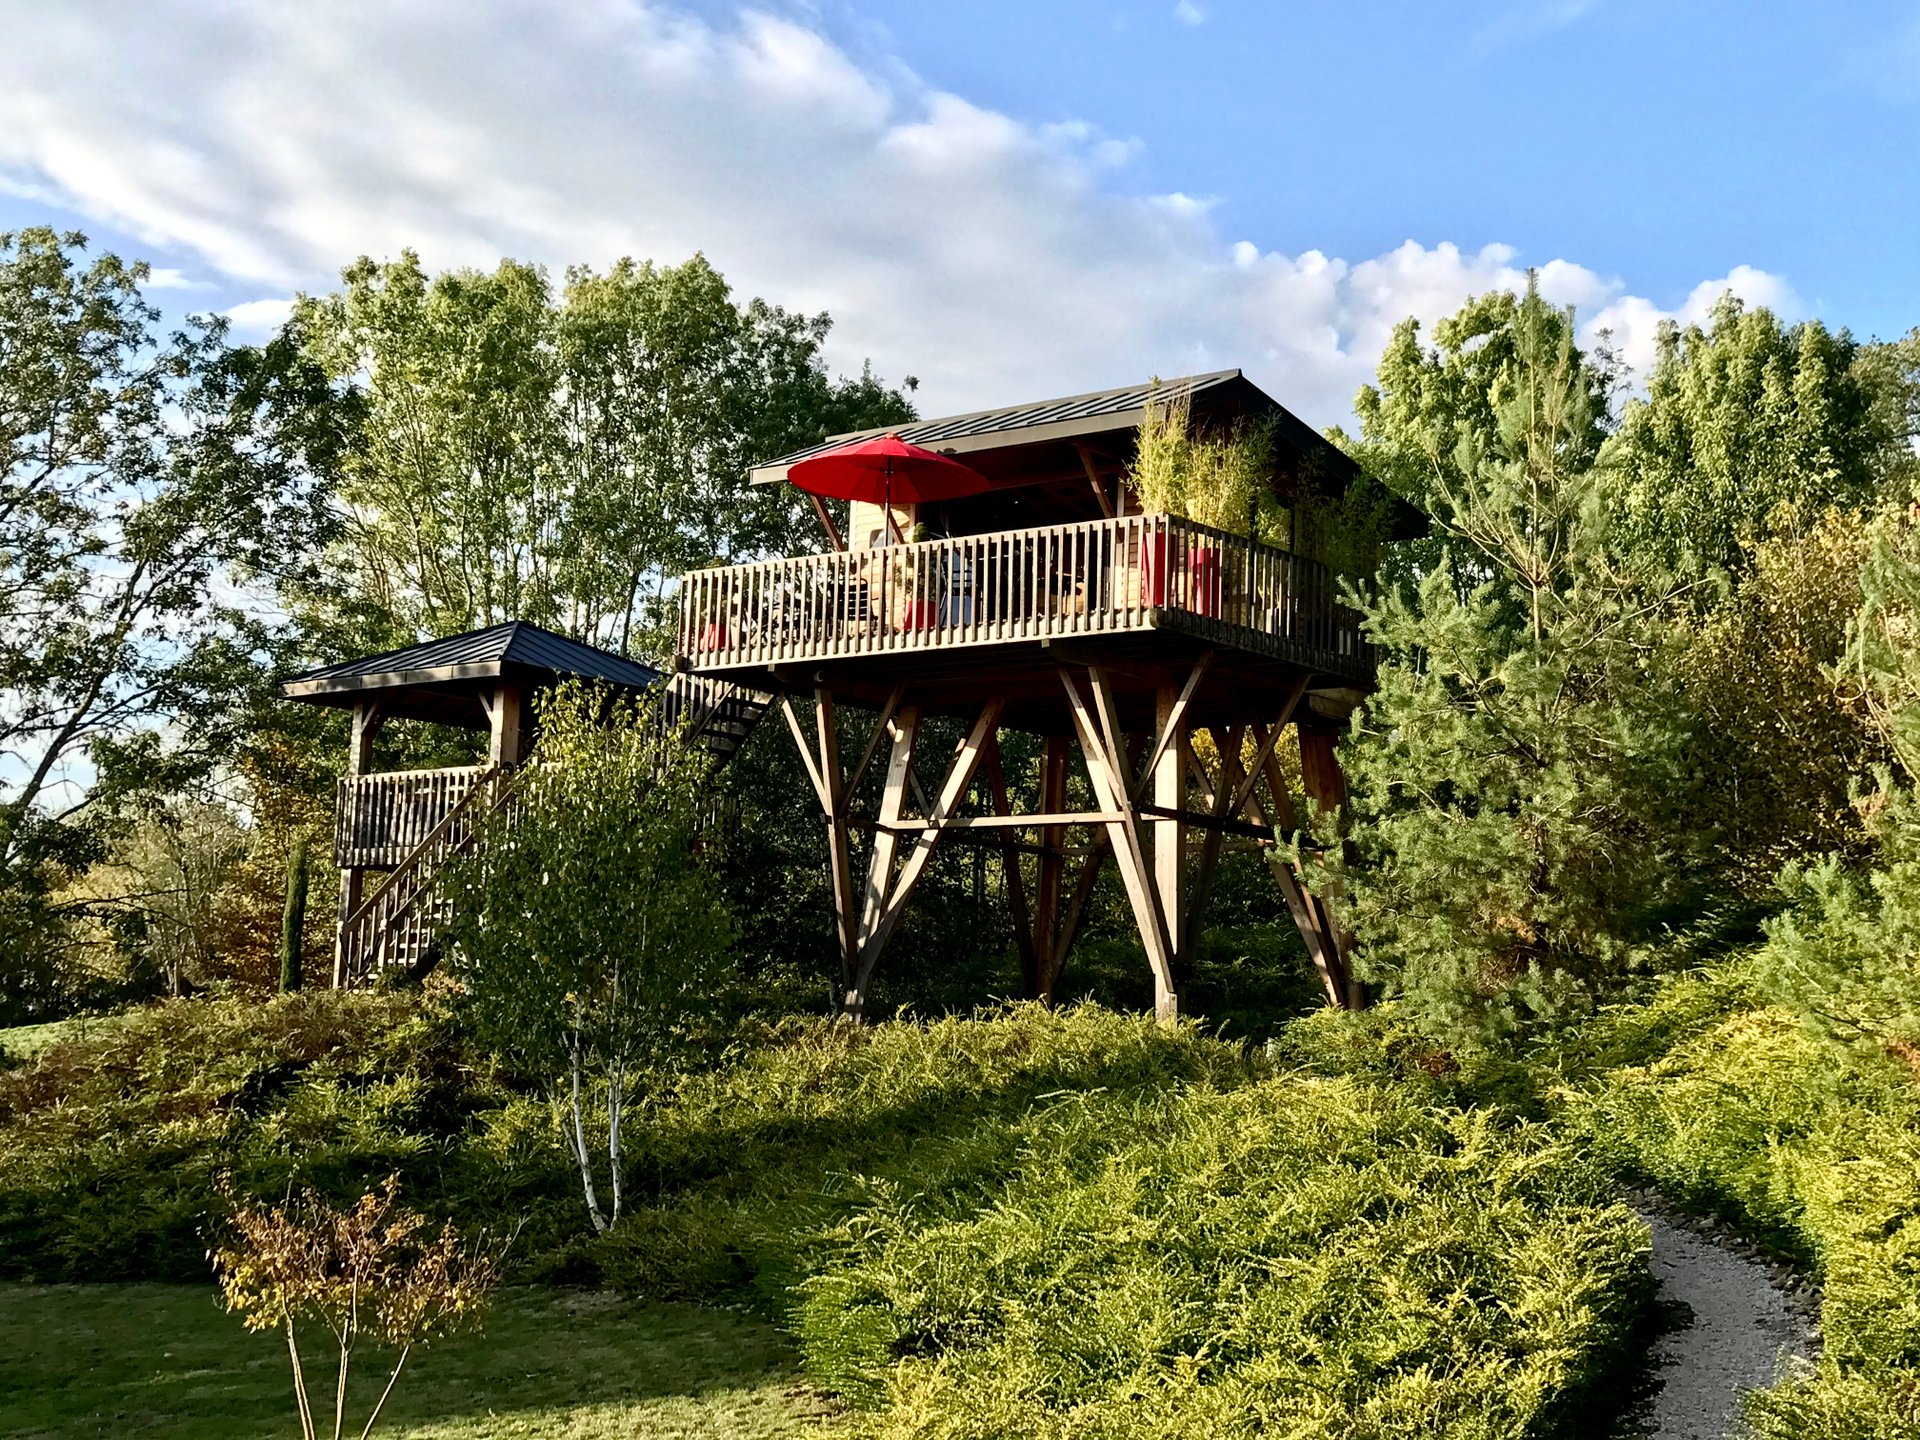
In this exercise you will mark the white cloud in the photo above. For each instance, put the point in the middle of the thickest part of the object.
(997, 259)
(256, 320)
(1188, 13)
(166, 277)
(1635, 322)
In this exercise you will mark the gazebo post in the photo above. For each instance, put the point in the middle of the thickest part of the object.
(368, 715)
(505, 745)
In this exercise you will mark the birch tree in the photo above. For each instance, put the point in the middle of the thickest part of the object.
(587, 923)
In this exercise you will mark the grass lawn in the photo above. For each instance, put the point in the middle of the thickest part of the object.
(166, 1360)
(23, 1042)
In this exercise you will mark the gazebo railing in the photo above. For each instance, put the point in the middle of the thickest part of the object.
(381, 819)
(1125, 573)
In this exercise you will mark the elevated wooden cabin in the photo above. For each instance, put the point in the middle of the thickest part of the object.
(1050, 604)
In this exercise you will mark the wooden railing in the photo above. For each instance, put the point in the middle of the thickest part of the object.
(1127, 573)
(379, 820)
(396, 923)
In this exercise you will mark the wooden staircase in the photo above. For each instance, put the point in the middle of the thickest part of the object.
(719, 714)
(396, 927)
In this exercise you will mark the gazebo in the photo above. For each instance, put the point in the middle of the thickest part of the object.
(398, 826)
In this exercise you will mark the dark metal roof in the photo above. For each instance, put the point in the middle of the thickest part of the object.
(1098, 410)
(516, 647)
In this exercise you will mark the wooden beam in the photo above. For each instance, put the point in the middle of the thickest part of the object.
(910, 826)
(873, 740)
(1171, 720)
(966, 760)
(1110, 783)
(839, 841)
(904, 730)
(368, 717)
(826, 521)
(1222, 816)
(1093, 479)
(1169, 831)
(504, 734)
(806, 756)
(1266, 743)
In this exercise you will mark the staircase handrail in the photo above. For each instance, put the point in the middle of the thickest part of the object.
(418, 855)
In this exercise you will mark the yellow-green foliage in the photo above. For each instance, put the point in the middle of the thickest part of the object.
(1083, 1224)
(1299, 1257)
(110, 1139)
(1221, 479)
(1784, 738)
(1736, 1109)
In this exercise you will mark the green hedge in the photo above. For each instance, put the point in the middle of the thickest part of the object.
(1733, 1109)
(110, 1138)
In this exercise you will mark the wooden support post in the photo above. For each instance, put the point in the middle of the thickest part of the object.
(1325, 784)
(1101, 742)
(839, 839)
(368, 717)
(1170, 833)
(1320, 768)
(903, 730)
(504, 745)
(1049, 923)
(871, 941)
(823, 771)
(1227, 798)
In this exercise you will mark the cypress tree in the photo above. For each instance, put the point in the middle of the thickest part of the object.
(293, 923)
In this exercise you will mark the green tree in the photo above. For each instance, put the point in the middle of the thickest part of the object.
(1507, 838)
(150, 484)
(560, 457)
(1751, 428)
(587, 922)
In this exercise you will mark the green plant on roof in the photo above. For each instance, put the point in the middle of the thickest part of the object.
(1220, 478)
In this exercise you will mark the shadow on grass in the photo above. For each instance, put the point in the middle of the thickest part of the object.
(162, 1360)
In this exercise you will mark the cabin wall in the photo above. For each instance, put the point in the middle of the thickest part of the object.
(867, 523)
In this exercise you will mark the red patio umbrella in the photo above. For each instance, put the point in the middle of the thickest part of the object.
(884, 469)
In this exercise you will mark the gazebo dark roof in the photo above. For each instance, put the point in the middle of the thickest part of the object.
(443, 679)
(1012, 441)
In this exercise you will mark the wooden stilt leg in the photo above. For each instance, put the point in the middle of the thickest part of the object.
(1327, 786)
(1225, 795)
(966, 762)
(1049, 953)
(1170, 836)
(903, 732)
(1101, 744)
(353, 884)
(823, 770)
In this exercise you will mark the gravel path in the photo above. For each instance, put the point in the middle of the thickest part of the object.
(1732, 1329)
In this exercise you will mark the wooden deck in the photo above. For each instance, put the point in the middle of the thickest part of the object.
(1130, 575)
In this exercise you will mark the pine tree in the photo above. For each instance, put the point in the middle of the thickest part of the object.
(1505, 846)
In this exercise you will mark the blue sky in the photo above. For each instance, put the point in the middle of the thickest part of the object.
(1007, 200)
(1661, 141)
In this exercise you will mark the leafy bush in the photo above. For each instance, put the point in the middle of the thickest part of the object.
(110, 1140)
(1295, 1257)
(1736, 1109)
(1074, 1221)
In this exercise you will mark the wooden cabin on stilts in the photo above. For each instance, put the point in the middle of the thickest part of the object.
(1048, 603)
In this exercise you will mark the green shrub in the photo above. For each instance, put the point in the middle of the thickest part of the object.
(1050, 1222)
(1738, 1110)
(110, 1139)
(1297, 1256)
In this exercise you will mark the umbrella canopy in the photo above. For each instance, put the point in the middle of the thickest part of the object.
(886, 471)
